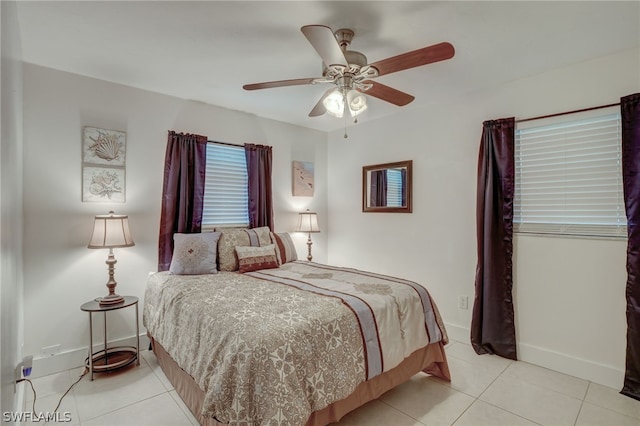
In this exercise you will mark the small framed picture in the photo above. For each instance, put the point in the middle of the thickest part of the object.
(103, 184)
(103, 147)
(303, 181)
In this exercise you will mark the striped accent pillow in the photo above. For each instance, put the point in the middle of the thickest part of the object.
(255, 258)
(285, 249)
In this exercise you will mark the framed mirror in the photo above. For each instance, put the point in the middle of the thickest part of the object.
(387, 188)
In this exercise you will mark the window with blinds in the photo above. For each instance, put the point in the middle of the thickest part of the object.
(569, 176)
(225, 189)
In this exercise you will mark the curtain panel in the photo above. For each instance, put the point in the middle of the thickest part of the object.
(492, 322)
(378, 194)
(259, 159)
(182, 191)
(630, 114)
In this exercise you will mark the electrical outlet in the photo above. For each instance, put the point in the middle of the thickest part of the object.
(50, 350)
(463, 302)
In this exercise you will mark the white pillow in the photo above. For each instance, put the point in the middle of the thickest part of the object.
(194, 254)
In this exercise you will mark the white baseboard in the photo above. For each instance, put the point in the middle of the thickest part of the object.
(458, 333)
(605, 375)
(76, 358)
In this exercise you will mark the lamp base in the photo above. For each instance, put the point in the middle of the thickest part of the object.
(112, 299)
(309, 243)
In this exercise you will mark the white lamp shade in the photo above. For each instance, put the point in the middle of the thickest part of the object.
(357, 102)
(308, 222)
(111, 231)
(334, 103)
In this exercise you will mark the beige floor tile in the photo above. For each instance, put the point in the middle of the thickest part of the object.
(592, 415)
(483, 414)
(160, 410)
(152, 362)
(532, 402)
(612, 399)
(548, 379)
(377, 413)
(465, 352)
(111, 391)
(184, 408)
(67, 412)
(56, 383)
(473, 377)
(428, 401)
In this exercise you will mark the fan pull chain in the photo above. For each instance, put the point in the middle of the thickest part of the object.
(345, 127)
(345, 123)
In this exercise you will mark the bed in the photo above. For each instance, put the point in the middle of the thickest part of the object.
(294, 343)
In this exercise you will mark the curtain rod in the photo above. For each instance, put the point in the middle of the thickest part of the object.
(566, 112)
(226, 143)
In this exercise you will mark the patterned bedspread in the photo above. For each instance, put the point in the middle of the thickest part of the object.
(272, 346)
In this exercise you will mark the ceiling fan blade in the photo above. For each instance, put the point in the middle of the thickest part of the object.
(319, 108)
(324, 42)
(415, 58)
(280, 83)
(388, 94)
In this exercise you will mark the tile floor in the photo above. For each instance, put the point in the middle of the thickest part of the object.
(485, 390)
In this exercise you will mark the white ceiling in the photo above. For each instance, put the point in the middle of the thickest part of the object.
(206, 50)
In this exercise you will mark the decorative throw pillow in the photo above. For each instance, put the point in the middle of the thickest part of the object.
(229, 239)
(194, 254)
(255, 258)
(285, 249)
(259, 236)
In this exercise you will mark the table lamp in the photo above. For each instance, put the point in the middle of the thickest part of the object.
(308, 222)
(111, 231)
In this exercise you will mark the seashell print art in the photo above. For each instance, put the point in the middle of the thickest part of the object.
(106, 146)
(105, 184)
(102, 146)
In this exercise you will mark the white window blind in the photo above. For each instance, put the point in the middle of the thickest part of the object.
(569, 177)
(225, 189)
(394, 188)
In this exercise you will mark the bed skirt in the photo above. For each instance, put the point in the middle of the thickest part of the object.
(431, 359)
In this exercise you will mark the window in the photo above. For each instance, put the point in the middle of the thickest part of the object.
(225, 190)
(569, 176)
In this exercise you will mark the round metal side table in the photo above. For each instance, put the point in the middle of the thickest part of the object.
(109, 359)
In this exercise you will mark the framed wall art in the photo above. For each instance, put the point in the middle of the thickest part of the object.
(105, 147)
(103, 184)
(303, 180)
(103, 165)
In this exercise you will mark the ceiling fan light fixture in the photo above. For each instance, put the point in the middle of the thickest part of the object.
(357, 102)
(334, 103)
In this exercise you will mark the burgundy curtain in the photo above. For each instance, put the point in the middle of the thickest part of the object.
(630, 112)
(378, 188)
(492, 321)
(260, 192)
(403, 176)
(182, 191)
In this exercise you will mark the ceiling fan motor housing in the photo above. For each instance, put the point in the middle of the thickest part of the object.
(355, 60)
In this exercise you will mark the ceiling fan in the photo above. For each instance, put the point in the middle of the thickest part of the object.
(350, 74)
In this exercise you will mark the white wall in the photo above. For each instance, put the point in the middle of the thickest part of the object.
(60, 273)
(10, 205)
(569, 294)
